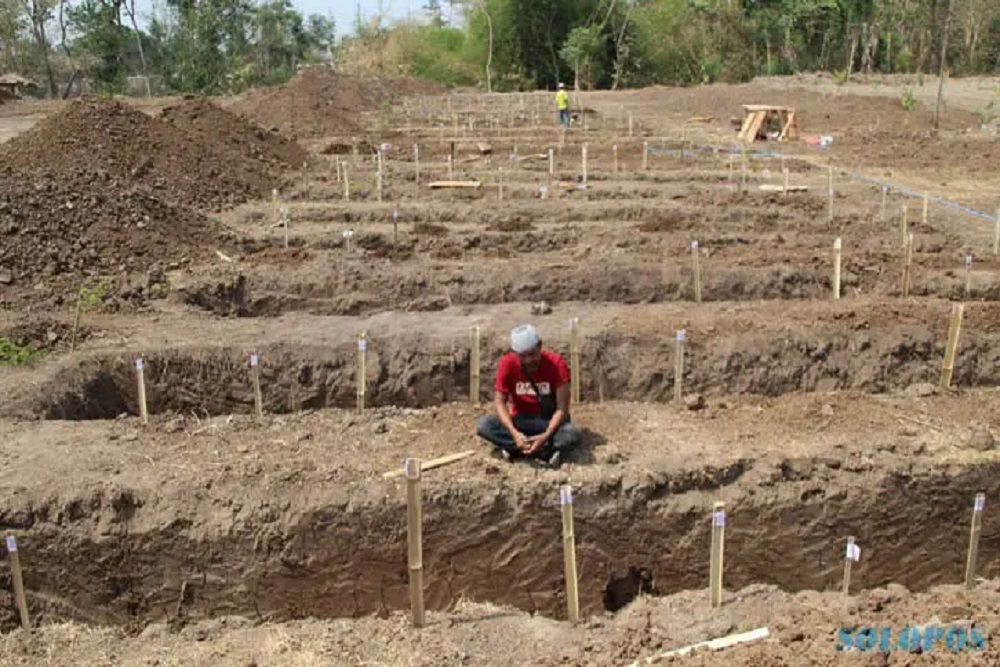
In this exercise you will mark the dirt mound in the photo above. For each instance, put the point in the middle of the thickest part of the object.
(319, 102)
(56, 231)
(128, 148)
(233, 134)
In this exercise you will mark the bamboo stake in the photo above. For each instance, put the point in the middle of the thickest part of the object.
(416, 162)
(569, 554)
(17, 580)
(904, 225)
(362, 369)
(274, 206)
(852, 555)
(645, 157)
(679, 365)
(284, 224)
(140, 374)
(837, 246)
(415, 540)
(347, 185)
(500, 184)
(996, 234)
(718, 547)
(977, 526)
(474, 367)
(258, 401)
(615, 150)
(451, 168)
(552, 163)
(378, 181)
(629, 123)
(784, 189)
(696, 266)
(968, 276)
(908, 266)
(584, 157)
(885, 200)
(433, 463)
(923, 217)
(574, 357)
(948, 368)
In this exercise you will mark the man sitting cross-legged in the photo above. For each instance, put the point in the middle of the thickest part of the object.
(531, 398)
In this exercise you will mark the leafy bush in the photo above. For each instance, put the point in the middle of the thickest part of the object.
(908, 101)
(13, 353)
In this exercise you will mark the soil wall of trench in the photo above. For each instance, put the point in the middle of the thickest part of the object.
(116, 557)
(416, 371)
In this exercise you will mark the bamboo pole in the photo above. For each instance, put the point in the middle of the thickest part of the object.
(904, 224)
(569, 554)
(574, 356)
(696, 269)
(415, 539)
(718, 547)
(923, 217)
(645, 157)
(968, 276)
(17, 581)
(140, 375)
(614, 149)
(362, 369)
(954, 330)
(474, 367)
(347, 185)
(978, 505)
(416, 162)
(852, 555)
(629, 123)
(500, 184)
(552, 163)
(996, 234)
(830, 184)
(885, 200)
(258, 401)
(584, 158)
(837, 247)
(908, 266)
(679, 365)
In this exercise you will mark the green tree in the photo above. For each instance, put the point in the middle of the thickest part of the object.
(582, 51)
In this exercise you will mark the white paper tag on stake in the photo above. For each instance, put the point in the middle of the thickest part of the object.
(979, 503)
(395, 216)
(362, 345)
(682, 335)
(254, 360)
(719, 518)
(885, 189)
(138, 364)
(11, 544)
(566, 495)
(694, 246)
(853, 552)
(968, 260)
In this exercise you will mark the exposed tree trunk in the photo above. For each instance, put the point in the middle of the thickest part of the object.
(943, 64)
(489, 53)
(37, 15)
(130, 10)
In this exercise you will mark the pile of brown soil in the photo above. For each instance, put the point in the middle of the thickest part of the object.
(234, 135)
(128, 148)
(57, 230)
(319, 102)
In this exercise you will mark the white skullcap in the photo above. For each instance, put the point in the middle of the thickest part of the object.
(524, 338)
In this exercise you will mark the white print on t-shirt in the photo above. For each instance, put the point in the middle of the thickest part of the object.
(524, 389)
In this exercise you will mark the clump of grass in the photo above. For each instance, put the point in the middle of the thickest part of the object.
(429, 229)
(13, 353)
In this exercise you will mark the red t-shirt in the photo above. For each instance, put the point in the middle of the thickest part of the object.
(552, 373)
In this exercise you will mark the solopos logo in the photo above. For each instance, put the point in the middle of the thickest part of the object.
(954, 638)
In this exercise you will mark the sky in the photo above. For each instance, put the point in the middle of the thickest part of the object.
(343, 11)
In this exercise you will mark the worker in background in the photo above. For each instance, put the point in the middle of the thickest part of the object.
(562, 104)
(531, 398)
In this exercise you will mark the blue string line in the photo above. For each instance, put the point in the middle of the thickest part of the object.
(858, 177)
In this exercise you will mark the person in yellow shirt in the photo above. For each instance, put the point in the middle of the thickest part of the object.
(562, 104)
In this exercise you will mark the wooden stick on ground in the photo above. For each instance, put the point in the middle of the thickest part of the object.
(679, 365)
(18, 581)
(696, 267)
(948, 368)
(852, 555)
(837, 246)
(433, 463)
(977, 527)
(569, 554)
(907, 266)
(415, 539)
(258, 402)
(718, 547)
(140, 374)
(362, 369)
(712, 645)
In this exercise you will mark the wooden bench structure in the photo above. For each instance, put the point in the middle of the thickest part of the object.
(756, 117)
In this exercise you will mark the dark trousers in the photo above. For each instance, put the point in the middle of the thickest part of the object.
(566, 437)
(564, 117)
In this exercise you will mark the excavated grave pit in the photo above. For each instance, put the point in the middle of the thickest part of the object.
(861, 351)
(96, 558)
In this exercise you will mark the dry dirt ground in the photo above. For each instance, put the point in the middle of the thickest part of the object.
(212, 537)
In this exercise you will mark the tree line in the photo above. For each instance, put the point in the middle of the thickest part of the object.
(221, 46)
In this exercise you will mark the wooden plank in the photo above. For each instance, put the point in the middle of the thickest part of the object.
(770, 187)
(437, 185)
(433, 463)
(712, 645)
(752, 127)
(765, 107)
